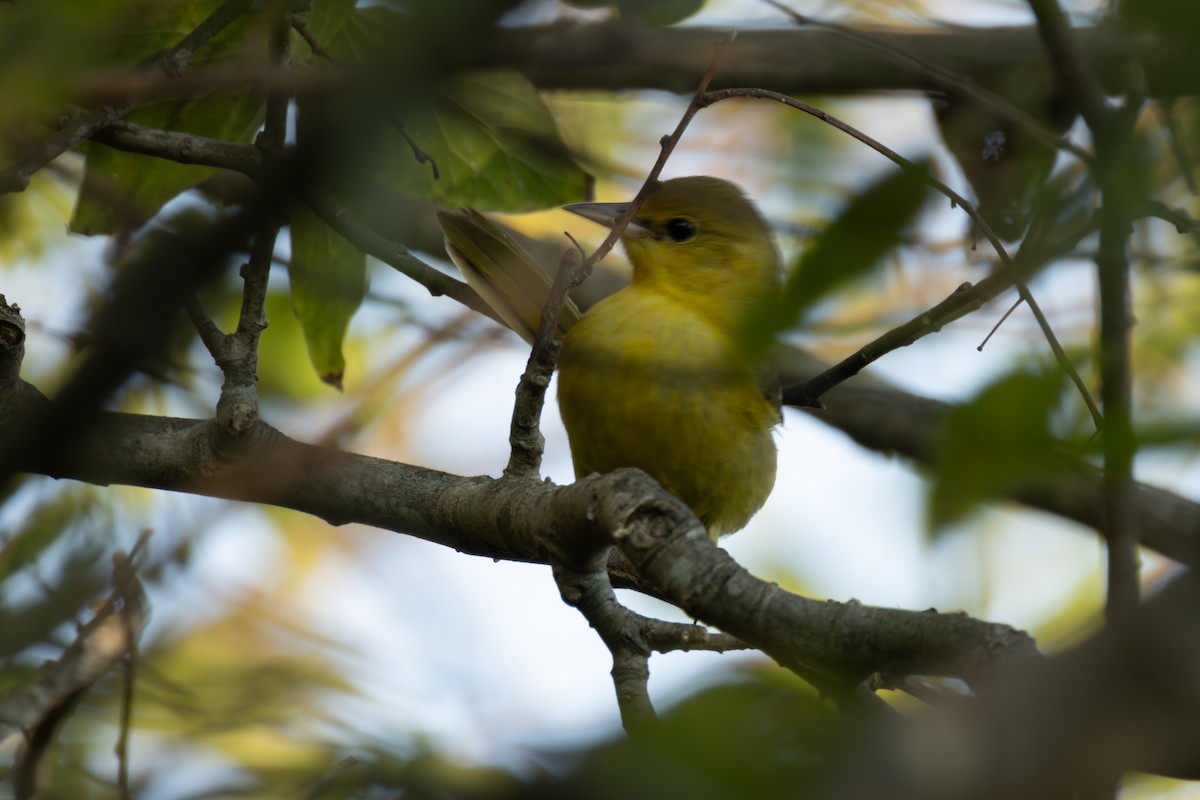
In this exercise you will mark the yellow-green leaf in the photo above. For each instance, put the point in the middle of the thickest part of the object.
(328, 278)
(495, 143)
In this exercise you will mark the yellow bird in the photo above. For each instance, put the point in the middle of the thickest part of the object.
(652, 377)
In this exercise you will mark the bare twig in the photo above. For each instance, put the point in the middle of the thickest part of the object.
(631, 638)
(590, 592)
(965, 299)
(121, 749)
(418, 153)
(210, 333)
(667, 147)
(320, 52)
(525, 436)
(237, 353)
(182, 148)
(996, 327)
(1180, 219)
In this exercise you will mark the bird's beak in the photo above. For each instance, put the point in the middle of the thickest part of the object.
(606, 214)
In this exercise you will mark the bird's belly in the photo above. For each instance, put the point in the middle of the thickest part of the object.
(678, 406)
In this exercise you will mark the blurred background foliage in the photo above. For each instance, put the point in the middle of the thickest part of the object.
(286, 659)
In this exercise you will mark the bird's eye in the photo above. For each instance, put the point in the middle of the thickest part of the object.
(680, 229)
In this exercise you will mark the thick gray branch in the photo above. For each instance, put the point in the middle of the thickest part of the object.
(527, 520)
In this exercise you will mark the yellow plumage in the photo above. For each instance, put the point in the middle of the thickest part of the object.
(652, 377)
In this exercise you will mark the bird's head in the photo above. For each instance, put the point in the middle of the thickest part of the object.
(700, 240)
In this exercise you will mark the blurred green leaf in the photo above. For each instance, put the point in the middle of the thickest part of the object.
(122, 190)
(1177, 22)
(745, 740)
(327, 19)
(646, 12)
(852, 245)
(996, 441)
(328, 277)
(495, 143)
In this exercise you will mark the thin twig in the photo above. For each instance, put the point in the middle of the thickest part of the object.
(590, 592)
(121, 748)
(418, 153)
(667, 147)
(181, 147)
(1180, 219)
(237, 353)
(210, 333)
(320, 52)
(525, 436)
(965, 299)
(996, 327)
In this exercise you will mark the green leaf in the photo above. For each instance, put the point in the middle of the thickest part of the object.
(853, 245)
(122, 190)
(326, 21)
(495, 144)
(746, 740)
(328, 277)
(646, 12)
(997, 441)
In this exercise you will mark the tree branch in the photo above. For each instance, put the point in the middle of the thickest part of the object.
(1124, 701)
(613, 57)
(524, 520)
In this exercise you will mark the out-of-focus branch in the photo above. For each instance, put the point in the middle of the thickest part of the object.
(99, 646)
(1115, 169)
(613, 57)
(1125, 701)
(83, 124)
